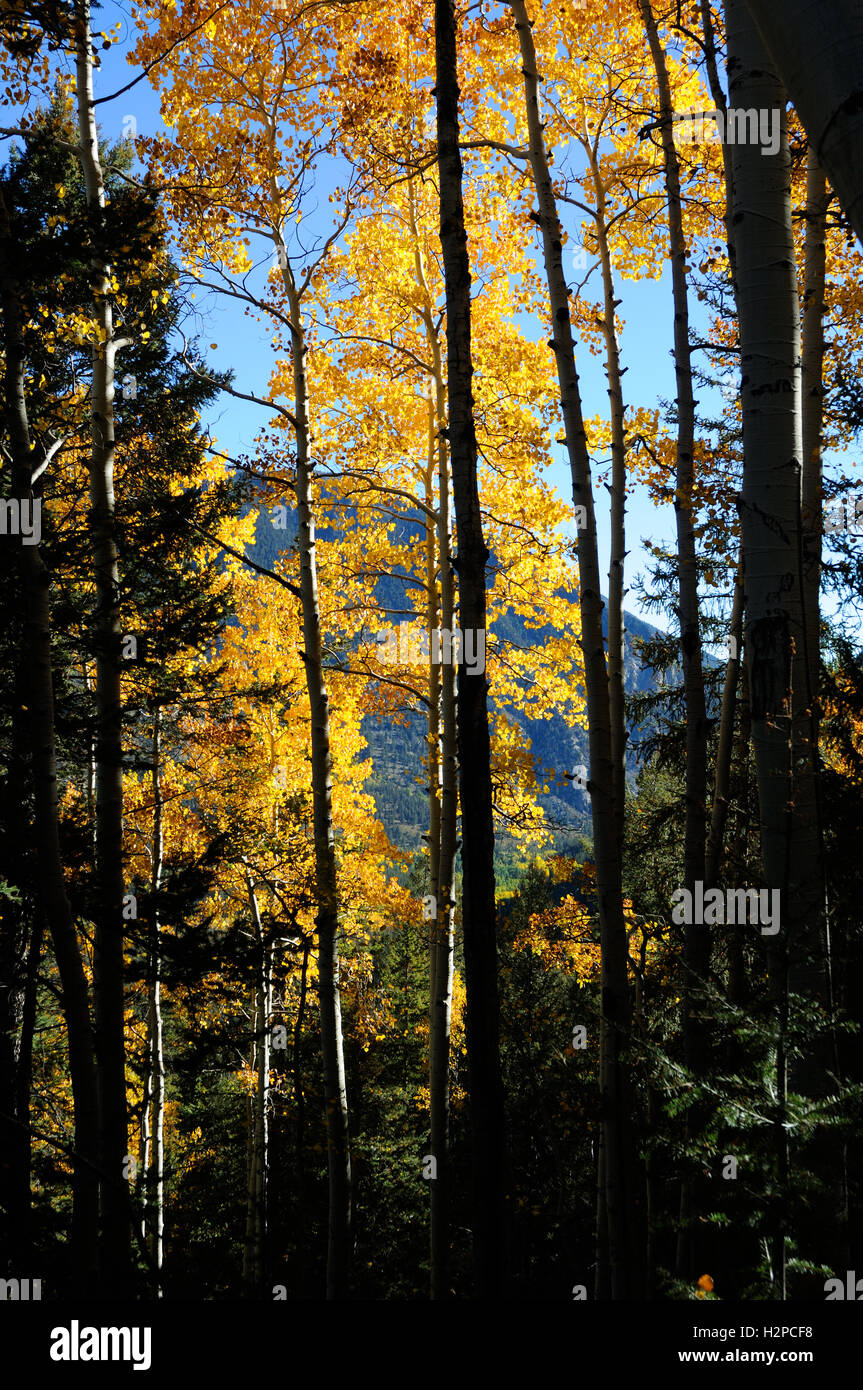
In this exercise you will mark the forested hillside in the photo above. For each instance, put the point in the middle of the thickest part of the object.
(431, 755)
(558, 746)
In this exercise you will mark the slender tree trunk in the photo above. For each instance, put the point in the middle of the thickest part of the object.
(490, 1212)
(444, 942)
(821, 65)
(818, 198)
(299, 1094)
(443, 792)
(725, 744)
(23, 1083)
(16, 938)
(335, 1088)
(620, 1251)
(256, 1209)
(156, 1069)
(20, 949)
(687, 571)
(616, 571)
(696, 946)
(115, 1208)
(812, 370)
(720, 102)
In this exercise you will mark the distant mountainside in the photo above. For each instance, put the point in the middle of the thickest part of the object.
(397, 780)
(397, 783)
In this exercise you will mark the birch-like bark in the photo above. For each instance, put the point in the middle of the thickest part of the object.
(818, 56)
(479, 918)
(115, 1208)
(771, 514)
(771, 506)
(620, 1251)
(443, 791)
(444, 940)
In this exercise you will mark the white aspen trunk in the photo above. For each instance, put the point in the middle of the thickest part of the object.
(155, 1165)
(771, 511)
(771, 506)
(444, 938)
(115, 1208)
(818, 55)
(444, 794)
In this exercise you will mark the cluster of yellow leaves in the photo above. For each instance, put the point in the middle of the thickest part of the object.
(566, 936)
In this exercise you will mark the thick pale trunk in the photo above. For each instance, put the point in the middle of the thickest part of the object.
(771, 504)
(771, 516)
(475, 789)
(818, 56)
(619, 1250)
(115, 1209)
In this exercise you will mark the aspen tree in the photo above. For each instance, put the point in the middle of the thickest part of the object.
(479, 915)
(617, 1243)
(771, 520)
(108, 947)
